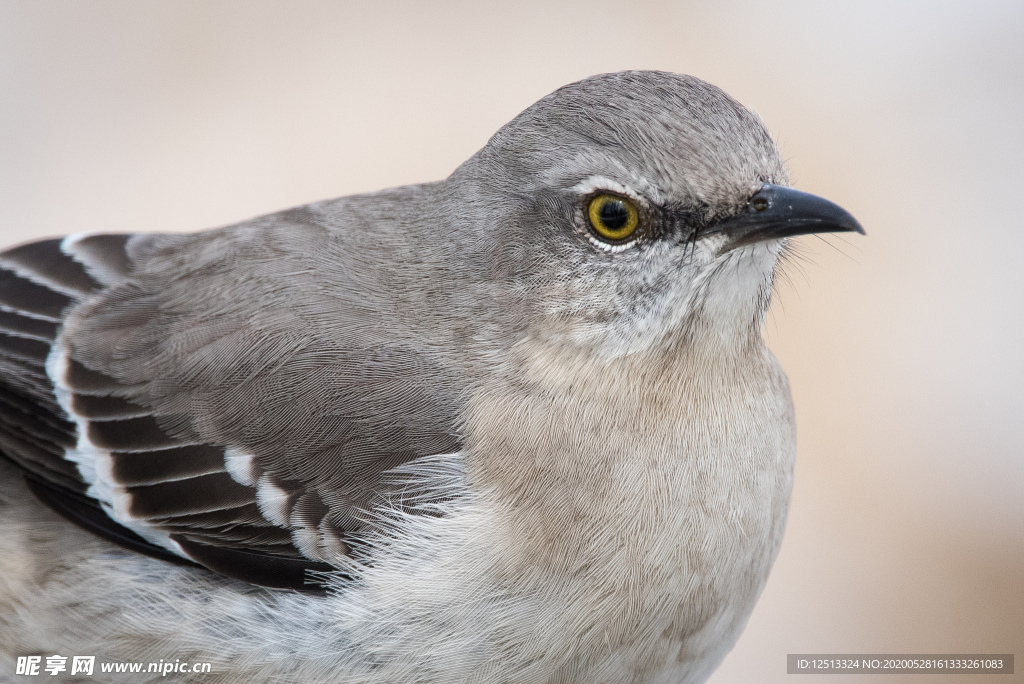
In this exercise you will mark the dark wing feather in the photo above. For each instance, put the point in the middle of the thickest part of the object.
(227, 397)
(88, 514)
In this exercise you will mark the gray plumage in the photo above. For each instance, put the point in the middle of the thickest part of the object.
(517, 451)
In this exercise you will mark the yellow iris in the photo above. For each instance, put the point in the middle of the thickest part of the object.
(612, 217)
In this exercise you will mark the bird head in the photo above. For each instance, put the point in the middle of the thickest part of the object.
(633, 210)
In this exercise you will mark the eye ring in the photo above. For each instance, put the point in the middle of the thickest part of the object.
(612, 217)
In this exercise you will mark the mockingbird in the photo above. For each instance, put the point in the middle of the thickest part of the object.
(519, 425)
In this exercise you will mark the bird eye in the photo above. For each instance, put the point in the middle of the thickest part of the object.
(613, 218)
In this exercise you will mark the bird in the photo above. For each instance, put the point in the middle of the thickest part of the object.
(519, 425)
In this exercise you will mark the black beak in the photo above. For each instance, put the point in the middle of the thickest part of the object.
(775, 212)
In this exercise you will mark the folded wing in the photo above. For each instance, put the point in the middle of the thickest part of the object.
(234, 398)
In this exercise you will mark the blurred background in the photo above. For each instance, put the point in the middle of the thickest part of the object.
(905, 349)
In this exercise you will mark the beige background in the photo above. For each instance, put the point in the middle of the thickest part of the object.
(904, 348)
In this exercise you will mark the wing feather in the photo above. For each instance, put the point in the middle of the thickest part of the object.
(213, 396)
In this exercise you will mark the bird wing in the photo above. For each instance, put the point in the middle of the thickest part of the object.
(235, 398)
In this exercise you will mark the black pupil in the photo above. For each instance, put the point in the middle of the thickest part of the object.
(613, 214)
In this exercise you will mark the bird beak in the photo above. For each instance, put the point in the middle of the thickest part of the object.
(775, 212)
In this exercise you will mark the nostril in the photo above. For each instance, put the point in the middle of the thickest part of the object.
(760, 203)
